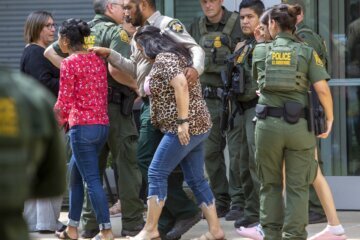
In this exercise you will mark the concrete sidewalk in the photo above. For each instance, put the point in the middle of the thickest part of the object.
(350, 220)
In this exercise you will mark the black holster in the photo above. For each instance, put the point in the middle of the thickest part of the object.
(293, 111)
(320, 120)
(124, 97)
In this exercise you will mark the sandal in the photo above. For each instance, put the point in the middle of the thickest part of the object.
(209, 236)
(64, 235)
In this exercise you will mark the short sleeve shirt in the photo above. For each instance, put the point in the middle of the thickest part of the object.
(163, 104)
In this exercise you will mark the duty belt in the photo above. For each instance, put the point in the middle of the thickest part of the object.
(279, 112)
(212, 92)
(114, 95)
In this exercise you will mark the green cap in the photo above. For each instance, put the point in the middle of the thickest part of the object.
(293, 2)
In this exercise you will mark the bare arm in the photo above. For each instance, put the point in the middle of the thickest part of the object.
(323, 91)
(116, 60)
(53, 57)
(179, 83)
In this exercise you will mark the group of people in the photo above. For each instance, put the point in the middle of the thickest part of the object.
(177, 74)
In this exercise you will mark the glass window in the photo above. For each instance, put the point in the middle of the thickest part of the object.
(352, 24)
(339, 23)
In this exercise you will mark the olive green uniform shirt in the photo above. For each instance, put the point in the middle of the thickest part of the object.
(214, 79)
(312, 39)
(313, 68)
(105, 33)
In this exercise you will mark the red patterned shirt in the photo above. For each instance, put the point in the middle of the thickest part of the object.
(83, 91)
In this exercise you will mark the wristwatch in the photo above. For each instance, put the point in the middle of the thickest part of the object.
(181, 121)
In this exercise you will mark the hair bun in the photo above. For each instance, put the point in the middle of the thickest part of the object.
(84, 28)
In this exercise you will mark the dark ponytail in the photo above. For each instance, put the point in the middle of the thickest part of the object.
(285, 15)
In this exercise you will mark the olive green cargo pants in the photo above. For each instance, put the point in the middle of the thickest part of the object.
(275, 141)
(214, 156)
(236, 139)
(248, 174)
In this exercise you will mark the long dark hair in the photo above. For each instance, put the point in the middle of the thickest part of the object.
(154, 42)
(285, 15)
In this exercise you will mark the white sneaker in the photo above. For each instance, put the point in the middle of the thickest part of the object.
(327, 235)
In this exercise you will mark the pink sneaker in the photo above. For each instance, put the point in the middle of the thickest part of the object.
(254, 233)
(327, 235)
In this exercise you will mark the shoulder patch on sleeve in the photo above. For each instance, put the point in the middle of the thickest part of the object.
(124, 36)
(176, 26)
(9, 126)
(317, 59)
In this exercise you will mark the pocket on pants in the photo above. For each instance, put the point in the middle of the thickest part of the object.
(312, 172)
(88, 134)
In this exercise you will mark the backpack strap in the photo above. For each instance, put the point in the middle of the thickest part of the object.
(229, 26)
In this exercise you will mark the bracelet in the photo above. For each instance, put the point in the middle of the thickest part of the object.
(181, 121)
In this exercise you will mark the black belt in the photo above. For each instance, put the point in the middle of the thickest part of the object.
(279, 112)
(114, 95)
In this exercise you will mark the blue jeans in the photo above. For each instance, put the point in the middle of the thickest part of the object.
(171, 153)
(86, 143)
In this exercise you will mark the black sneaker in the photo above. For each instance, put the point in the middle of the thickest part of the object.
(317, 218)
(221, 211)
(234, 213)
(182, 226)
(89, 233)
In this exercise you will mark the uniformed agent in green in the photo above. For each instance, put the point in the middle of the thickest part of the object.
(218, 32)
(32, 152)
(285, 69)
(246, 100)
(179, 213)
(123, 135)
(312, 39)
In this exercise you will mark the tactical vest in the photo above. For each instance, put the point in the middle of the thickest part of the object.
(281, 68)
(323, 50)
(244, 61)
(217, 45)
